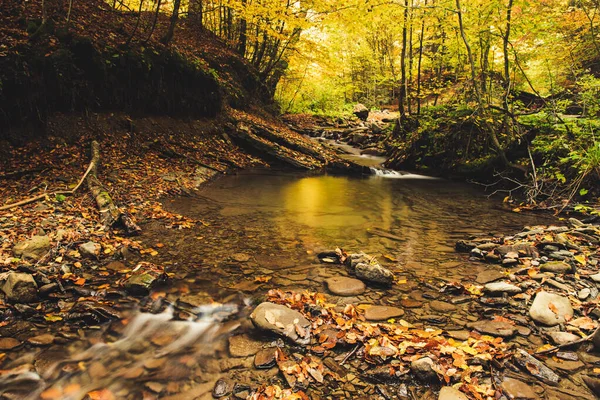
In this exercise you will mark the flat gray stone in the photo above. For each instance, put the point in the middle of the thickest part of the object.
(550, 309)
(498, 288)
(442, 306)
(517, 390)
(32, 249)
(344, 286)
(493, 328)
(560, 338)
(489, 275)
(382, 313)
(450, 393)
(90, 249)
(283, 321)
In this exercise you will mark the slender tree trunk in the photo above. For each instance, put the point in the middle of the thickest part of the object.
(153, 21)
(243, 38)
(402, 96)
(507, 81)
(419, 61)
(137, 24)
(174, 17)
(481, 109)
(410, 62)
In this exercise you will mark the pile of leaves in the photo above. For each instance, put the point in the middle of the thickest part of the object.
(393, 345)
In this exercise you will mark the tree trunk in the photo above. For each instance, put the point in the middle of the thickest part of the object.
(243, 38)
(505, 42)
(174, 17)
(402, 96)
(419, 62)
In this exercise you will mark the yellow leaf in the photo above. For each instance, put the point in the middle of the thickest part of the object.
(580, 258)
(58, 259)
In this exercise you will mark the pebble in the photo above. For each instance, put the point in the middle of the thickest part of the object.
(222, 388)
(441, 306)
(9, 343)
(265, 358)
(42, 340)
(344, 286)
(240, 257)
(595, 277)
(542, 312)
(584, 293)
(90, 249)
(557, 267)
(498, 288)
(409, 303)
(494, 328)
(515, 389)
(381, 313)
(560, 338)
(450, 393)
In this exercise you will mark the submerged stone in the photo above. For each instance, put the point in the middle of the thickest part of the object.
(344, 286)
(144, 277)
(381, 313)
(374, 273)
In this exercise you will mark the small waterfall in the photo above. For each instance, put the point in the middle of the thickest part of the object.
(124, 362)
(390, 173)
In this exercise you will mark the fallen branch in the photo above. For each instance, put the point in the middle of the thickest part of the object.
(42, 196)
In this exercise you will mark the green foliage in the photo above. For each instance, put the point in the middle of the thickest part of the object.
(60, 198)
(589, 94)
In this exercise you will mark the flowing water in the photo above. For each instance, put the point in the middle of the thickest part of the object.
(261, 230)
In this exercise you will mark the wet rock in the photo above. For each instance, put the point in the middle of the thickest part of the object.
(459, 335)
(564, 365)
(423, 369)
(8, 343)
(354, 259)
(240, 257)
(536, 367)
(223, 387)
(450, 393)
(521, 249)
(409, 303)
(557, 267)
(32, 249)
(517, 390)
(282, 321)
(489, 275)
(493, 328)
(487, 246)
(343, 286)
(550, 309)
(42, 340)
(382, 313)
(243, 346)
(265, 358)
(593, 383)
(442, 306)
(90, 249)
(143, 278)
(584, 294)
(18, 287)
(361, 111)
(465, 246)
(499, 288)
(195, 299)
(561, 338)
(374, 273)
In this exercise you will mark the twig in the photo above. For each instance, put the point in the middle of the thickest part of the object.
(351, 353)
(41, 196)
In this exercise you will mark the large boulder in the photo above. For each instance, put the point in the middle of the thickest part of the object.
(361, 111)
(18, 287)
(32, 249)
(374, 272)
(550, 309)
(283, 321)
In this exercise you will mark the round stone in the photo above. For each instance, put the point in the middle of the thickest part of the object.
(9, 343)
(381, 313)
(343, 286)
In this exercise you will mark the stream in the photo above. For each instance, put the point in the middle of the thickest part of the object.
(261, 230)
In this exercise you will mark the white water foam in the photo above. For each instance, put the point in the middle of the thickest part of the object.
(390, 173)
(192, 337)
